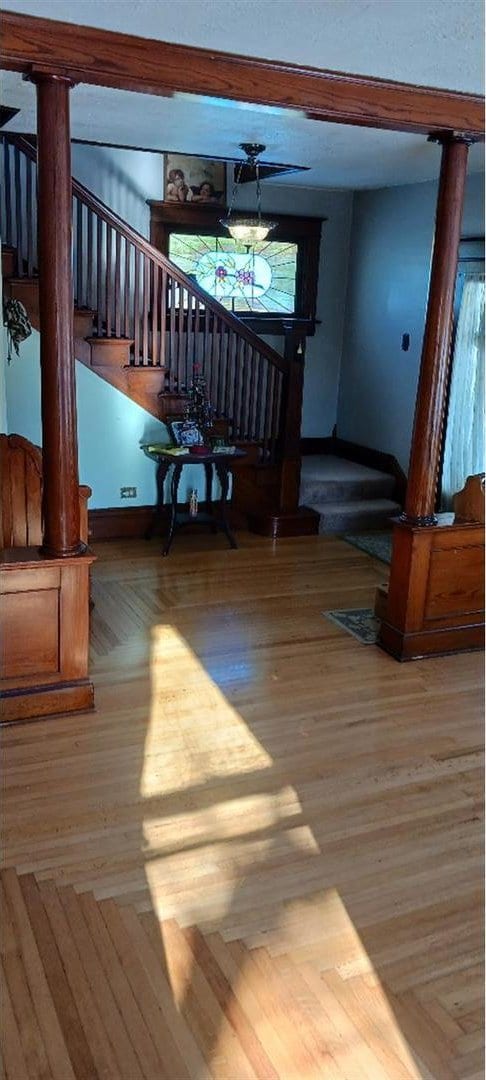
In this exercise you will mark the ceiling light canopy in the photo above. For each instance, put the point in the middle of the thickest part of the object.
(245, 228)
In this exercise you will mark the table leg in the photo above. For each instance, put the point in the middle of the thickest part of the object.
(162, 470)
(208, 469)
(222, 471)
(174, 487)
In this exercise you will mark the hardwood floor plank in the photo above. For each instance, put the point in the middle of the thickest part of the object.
(13, 1060)
(18, 988)
(181, 1051)
(127, 1062)
(57, 1053)
(94, 1031)
(120, 986)
(65, 1005)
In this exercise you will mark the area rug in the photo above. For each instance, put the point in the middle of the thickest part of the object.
(360, 622)
(377, 544)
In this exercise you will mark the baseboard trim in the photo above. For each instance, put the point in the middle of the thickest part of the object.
(363, 455)
(323, 445)
(132, 522)
(119, 522)
(41, 702)
(418, 646)
(301, 522)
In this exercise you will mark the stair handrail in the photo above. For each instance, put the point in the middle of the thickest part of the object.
(133, 236)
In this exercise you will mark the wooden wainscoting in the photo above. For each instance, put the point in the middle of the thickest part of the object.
(436, 593)
(44, 630)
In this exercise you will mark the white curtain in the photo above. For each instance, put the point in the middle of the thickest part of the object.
(464, 443)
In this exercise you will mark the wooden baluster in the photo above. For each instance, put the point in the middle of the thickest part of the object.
(79, 253)
(117, 284)
(277, 393)
(181, 373)
(229, 373)
(267, 410)
(259, 397)
(223, 369)
(251, 376)
(8, 194)
(190, 338)
(19, 231)
(213, 358)
(197, 333)
(163, 318)
(126, 290)
(29, 166)
(237, 389)
(89, 260)
(136, 306)
(206, 348)
(99, 277)
(173, 368)
(108, 279)
(154, 316)
(145, 309)
(244, 391)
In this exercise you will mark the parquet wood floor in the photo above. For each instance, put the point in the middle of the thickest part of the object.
(261, 856)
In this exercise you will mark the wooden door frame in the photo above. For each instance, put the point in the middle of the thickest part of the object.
(108, 58)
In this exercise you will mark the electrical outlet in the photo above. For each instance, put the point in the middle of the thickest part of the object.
(128, 493)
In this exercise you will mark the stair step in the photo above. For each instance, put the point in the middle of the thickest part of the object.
(325, 478)
(359, 514)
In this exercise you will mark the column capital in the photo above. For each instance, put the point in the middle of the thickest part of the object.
(448, 138)
(42, 73)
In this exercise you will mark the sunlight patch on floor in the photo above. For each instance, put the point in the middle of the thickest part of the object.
(225, 847)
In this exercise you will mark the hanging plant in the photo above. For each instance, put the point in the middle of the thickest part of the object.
(17, 324)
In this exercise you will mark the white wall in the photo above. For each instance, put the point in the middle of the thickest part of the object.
(111, 428)
(122, 179)
(391, 245)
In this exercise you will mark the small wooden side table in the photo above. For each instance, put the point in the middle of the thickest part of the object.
(222, 466)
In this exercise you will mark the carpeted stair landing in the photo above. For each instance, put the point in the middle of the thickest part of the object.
(347, 496)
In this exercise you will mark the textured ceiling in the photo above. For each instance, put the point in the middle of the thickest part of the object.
(338, 156)
(433, 42)
(438, 42)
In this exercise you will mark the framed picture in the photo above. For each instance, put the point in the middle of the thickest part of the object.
(194, 180)
(185, 433)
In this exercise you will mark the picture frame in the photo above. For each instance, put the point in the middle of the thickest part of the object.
(193, 180)
(185, 433)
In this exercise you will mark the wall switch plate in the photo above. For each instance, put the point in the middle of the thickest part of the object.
(128, 493)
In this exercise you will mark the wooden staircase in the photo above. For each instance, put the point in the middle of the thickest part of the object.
(143, 326)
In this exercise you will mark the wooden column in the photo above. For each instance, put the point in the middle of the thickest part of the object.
(58, 390)
(292, 420)
(432, 387)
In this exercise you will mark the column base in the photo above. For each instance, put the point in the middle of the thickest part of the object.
(419, 522)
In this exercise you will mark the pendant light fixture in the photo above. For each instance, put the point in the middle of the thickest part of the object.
(244, 228)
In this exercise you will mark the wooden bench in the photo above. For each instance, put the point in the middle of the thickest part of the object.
(21, 495)
(44, 602)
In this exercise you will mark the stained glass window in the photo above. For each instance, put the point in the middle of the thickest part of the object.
(260, 278)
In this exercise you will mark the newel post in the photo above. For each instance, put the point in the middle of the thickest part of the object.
(58, 389)
(436, 349)
(294, 354)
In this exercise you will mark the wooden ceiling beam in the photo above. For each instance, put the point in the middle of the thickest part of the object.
(108, 58)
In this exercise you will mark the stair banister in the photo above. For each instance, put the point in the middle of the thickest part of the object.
(169, 322)
(92, 202)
